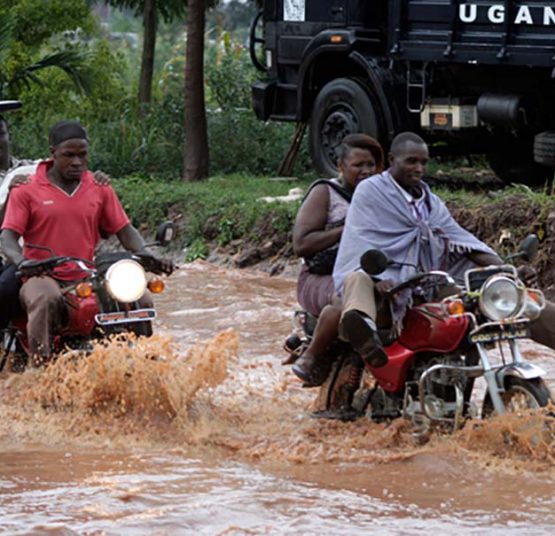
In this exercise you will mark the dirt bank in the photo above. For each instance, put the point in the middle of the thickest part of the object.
(501, 221)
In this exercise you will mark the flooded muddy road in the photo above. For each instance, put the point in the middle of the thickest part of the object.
(216, 438)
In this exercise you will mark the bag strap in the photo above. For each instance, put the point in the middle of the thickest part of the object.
(339, 189)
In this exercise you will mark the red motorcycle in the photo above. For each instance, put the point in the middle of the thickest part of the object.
(442, 348)
(103, 302)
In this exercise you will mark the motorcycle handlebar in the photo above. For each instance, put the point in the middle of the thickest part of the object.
(29, 268)
(417, 278)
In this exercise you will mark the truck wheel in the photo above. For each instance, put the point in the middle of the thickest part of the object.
(342, 107)
(516, 164)
(544, 148)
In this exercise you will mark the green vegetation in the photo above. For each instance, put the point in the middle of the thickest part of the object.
(226, 212)
(126, 142)
(216, 212)
(142, 147)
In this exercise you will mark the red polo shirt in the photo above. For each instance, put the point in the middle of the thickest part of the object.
(47, 216)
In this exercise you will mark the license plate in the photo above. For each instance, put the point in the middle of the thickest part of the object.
(124, 317)
(495, 335)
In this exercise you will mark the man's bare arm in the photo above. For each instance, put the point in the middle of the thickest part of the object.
(131, 239)
(484, 259)
(9, 243)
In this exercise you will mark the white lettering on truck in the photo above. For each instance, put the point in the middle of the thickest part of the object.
(496, 14)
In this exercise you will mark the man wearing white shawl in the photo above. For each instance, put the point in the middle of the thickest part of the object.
(396, 212)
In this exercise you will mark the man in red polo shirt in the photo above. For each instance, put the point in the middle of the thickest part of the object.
(63, 209)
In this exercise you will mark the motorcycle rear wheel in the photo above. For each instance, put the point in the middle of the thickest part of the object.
(520, 395)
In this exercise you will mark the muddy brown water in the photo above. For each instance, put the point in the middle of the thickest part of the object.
(216, 438)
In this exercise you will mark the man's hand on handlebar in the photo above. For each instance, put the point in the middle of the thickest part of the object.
(156, 264)
(528, 275)
(383, 287)
(30, 268)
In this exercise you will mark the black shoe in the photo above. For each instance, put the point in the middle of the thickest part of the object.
(309, 371)
(361, 333)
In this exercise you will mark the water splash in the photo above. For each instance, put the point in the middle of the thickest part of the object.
(141, 387)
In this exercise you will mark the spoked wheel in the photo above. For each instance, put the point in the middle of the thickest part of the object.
(520, 395)
(257, 41)
(335, 397)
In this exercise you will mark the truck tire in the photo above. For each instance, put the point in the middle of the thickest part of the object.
(514, 163)
(342, 107)
(544, 148)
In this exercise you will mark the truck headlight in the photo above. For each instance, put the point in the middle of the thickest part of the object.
(501, 298)
(126, 281)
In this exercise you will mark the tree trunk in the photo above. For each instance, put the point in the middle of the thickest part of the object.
(195, 166)
(149, 46)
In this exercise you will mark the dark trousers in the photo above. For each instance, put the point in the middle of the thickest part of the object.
(9, 295)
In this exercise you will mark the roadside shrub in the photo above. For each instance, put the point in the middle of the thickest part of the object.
(57, 99)
(229, 75)
(200, 210)
(150, 141)
(240, 143)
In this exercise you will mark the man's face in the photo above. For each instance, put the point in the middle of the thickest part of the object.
(71, 158)
(408, 166)
(4, 146)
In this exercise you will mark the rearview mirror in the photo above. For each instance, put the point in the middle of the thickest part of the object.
(529, 248)
(165, 233)
(374, 262)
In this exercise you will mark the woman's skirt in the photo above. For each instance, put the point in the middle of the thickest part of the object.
(314, 291)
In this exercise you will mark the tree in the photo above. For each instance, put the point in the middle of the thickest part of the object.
(21, 73)
(150, 10)
(196, 164)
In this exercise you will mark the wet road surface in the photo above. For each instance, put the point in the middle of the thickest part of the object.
(150, 447)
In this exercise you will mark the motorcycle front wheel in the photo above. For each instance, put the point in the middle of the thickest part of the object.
(520, 395)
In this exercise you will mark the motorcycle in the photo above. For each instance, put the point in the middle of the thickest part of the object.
(443, 346)
(105, 301)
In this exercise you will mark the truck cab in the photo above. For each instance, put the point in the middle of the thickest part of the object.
(467, 76)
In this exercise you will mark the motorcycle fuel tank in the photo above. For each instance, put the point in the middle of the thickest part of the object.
(427, 328)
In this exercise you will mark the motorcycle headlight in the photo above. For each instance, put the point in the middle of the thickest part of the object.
(126, 281)
(501, 298)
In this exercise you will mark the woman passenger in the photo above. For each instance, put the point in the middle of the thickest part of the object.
(316, 233)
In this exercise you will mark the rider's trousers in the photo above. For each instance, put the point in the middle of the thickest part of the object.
(9, 295)
(359, 295)
(42, 299)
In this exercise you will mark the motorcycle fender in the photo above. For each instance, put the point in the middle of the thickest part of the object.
(525, 371)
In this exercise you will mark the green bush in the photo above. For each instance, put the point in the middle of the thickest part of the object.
(150, 141)
(57, 99)
(229, 75)
(217, 210)
(239, 142)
